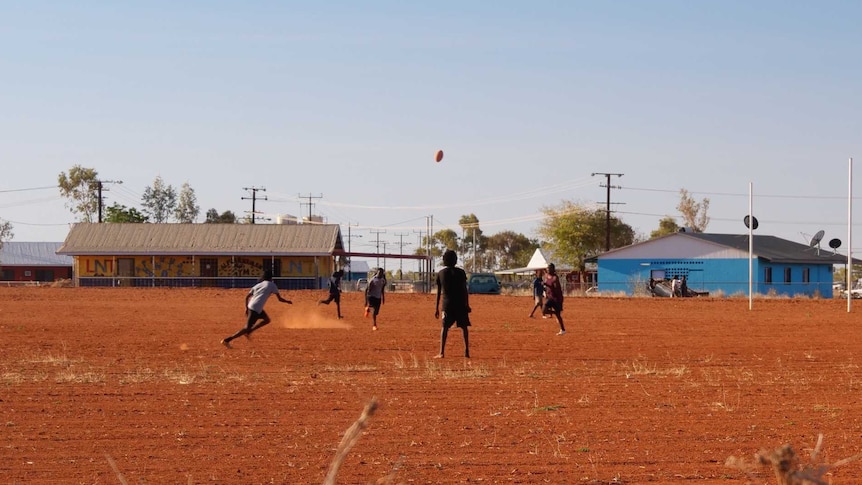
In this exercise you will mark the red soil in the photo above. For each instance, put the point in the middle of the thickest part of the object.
(639, 390)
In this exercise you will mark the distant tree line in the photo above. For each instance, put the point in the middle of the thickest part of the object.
(572, 232)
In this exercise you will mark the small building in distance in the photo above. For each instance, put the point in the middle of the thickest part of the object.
(300, 256)
(33, 262)
(718, 264)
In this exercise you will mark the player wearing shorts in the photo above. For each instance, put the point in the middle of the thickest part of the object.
(254, 302)
(538, 292)
(375, 295)
(554, 297)
(452, 288)
(334, 291)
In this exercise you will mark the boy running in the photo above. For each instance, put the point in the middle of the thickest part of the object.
(334, 291)
(254, 302)
(375, 294)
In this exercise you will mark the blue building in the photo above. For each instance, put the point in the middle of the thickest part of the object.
(718, 264)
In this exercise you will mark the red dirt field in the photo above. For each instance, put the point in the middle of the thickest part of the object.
(108, 386)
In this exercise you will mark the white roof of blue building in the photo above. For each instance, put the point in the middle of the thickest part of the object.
(16, 253)
(690, 245)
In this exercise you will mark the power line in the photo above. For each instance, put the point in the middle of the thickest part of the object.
(28, 189)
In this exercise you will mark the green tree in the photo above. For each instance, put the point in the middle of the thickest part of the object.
(226, 217)
(509, 249)
(5, 232)
(187, 206)
(159, 200)
(575, 232)
(667, 225)
(121, 213)
(81, 187)
(694, 213)
(472, 242)
(444, 239)
(440, 241)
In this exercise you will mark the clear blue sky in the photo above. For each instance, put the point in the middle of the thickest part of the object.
(350, 100)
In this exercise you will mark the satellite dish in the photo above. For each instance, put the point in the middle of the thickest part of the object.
(835, 243)
(815, 241)
(753, 224)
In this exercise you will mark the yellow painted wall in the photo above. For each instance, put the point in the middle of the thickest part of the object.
(179, 266)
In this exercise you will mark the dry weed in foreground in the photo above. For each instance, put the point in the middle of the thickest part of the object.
(351, 436)
(786, 465)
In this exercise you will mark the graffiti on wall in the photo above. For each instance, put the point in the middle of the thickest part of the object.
(240, 267)
(165, 267)
(98, 267)
(185, 266)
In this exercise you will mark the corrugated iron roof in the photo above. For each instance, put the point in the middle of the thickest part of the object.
(774, 249)
(770, 248)
(19, 253)
(203, 239)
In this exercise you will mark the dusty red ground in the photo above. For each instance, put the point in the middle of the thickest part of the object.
(640, 390)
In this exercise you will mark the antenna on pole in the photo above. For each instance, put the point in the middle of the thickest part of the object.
(401, 244)
(99, 189)
(378, 232)
(608, 206)
(254, 198)
(309, 203)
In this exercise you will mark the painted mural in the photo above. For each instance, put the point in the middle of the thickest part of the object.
(186, 266)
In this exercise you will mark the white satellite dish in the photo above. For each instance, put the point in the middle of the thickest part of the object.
(815, 240)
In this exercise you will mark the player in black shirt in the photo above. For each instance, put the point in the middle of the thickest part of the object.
(452, 286)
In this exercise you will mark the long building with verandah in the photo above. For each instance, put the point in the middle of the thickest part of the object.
(301, 256)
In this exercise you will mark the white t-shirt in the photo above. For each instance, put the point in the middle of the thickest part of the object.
(260, 293)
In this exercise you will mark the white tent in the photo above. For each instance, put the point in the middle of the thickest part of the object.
(538, 261)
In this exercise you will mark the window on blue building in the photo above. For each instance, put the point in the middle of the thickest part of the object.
(806, 275)
(787, 276)
(767, 276)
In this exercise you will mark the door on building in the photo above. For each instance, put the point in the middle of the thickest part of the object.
(126, 271)
(273, 265)
(209, 271)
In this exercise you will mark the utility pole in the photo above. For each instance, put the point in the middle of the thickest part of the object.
(401, 252)
(99, 188)
(608, 206)
(309, 203)
(419, 261)
(378, 233)
(430, 222)
(349, 238)
(254, 198)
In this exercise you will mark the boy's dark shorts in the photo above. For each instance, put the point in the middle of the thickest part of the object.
(374, 303)
(462, 319)
(254, 316)
(552, 306)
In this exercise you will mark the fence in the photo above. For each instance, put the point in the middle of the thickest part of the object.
(195, 282)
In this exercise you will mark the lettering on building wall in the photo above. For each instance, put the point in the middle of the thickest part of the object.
(99, 267)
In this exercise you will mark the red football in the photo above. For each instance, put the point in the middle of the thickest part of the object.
(439, 155)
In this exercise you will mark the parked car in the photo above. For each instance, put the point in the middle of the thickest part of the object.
(485, 283)
(361, 284)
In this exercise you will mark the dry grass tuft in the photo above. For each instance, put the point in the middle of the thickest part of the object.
(788, 468)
